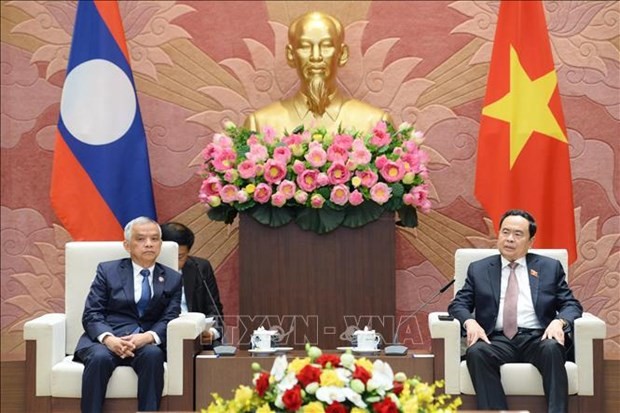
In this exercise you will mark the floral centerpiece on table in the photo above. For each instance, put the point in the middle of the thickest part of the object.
(332, 383)
(317, 179)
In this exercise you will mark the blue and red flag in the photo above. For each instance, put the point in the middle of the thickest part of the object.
(101, 177)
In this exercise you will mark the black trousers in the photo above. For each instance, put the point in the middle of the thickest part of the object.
(548, 356)
(99, 364)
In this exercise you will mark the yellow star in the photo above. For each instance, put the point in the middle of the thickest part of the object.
(526, 107)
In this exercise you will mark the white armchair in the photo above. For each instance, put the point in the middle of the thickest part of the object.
(54, 380)
(521, 381)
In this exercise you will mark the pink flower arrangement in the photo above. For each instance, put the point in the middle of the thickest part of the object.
(317, 179)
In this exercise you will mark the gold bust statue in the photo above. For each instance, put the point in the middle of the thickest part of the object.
(316, 49)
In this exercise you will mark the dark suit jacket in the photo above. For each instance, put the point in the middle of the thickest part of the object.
(197, 273)
(110, 305)
(550, 293)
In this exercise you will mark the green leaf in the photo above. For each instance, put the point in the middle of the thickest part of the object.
(271, 216)
(224, 213)
(246, 205)
(408, 217)
(321, 220)
(299, 129)
(362, 214)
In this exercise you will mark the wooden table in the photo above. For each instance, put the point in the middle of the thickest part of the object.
(222, 375)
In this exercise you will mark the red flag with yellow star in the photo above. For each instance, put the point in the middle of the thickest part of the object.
(523, 160)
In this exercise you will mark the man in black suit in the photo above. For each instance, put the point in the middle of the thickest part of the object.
(125, 318)
(523, 312)
(200, 292)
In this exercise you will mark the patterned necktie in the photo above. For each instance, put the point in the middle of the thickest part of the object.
(143, 302)
(510, 303)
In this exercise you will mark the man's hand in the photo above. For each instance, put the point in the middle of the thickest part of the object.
(140, 340)
(207, 337)
(119, 346)
(555, 330)
(475, 332)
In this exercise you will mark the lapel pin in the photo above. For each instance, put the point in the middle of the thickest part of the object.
(161, 279)
(533, 273)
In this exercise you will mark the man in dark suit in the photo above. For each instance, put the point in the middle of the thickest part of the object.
(200, 292)
(125, 318)
(523, 312)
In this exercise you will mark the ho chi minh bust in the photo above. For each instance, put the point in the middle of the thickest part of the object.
(316, 49)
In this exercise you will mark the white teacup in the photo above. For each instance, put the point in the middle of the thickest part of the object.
(261, 339)
(367, 339)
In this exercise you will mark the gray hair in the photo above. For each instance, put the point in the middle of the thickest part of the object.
(138, 221)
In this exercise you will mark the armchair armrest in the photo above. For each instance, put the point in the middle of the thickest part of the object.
(450, 332)
(587, 328)
(188, 326)
(48, 331)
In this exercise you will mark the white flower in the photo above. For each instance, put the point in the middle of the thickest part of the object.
(404, 126)
(330, 394)
(279, 367)
(354, 398)
(288, 382)
(343, 374)
(417, 137)
(382, 378)
(348, 360)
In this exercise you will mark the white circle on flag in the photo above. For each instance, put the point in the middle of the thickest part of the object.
(98, 103)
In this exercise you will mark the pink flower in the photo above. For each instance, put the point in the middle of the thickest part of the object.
(262, 193)
(258, 153)
(339, 194)
(418, 196)
(307, 180)
(356, 198)
(242, 197)
(287, 188)
(360, 153)
(336, 153)
(247, 169)
(269, 135)
(224, 159)
(338, 173)
(208, 152)
(228, 193)
(344, 140)
(282, 154)
(380, 161)
(274, 171)
(380, 193)
(301, 197)
(368, 177)
(380, 135)
(317, 201)
(222, 141)
(211, 186)
(316, 155)
(278, 199)
(298, 167)
(408, 199)
(322, 179)
(392, 171)
(231, 175)
(294, 139)
(252, 140)
(411, 162)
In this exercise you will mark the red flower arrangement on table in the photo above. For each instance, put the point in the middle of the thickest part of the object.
(319, 180)
(329, 383)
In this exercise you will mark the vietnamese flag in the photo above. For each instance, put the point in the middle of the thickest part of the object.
(523, 159)
(101, 176)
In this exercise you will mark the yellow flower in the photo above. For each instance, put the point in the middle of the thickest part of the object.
(297, 364)
(356, 181)
(243, 395)
(264, 409)
(250, 188)
(317, 137)
(358, 410)
(365, 363)
(314, 407)
(330, 378)
(410, 406)
(424, 392)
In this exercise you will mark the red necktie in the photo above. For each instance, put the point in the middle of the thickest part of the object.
(510, 303)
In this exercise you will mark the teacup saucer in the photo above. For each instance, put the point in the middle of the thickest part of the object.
(283, 349)
(365, 350)
(262, 350)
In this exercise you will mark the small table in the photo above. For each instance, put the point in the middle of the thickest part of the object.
(222, 375)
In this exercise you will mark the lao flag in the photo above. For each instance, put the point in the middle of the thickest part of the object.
(101, 176)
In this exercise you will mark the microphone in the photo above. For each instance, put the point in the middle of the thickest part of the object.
(221, 350)
(398, 349)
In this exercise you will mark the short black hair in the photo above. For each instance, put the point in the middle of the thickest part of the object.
(177, 232)
(521, 213)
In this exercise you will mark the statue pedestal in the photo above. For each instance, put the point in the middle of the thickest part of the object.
(316, 288)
